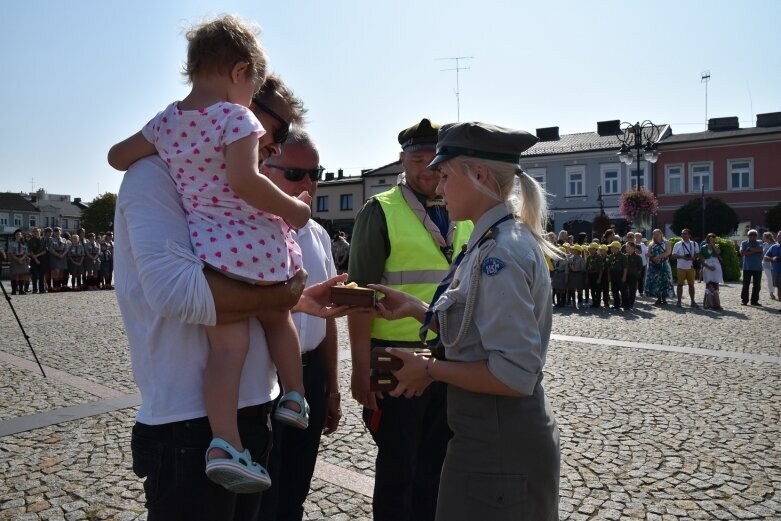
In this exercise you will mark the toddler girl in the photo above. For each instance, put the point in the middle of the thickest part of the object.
(238, 224)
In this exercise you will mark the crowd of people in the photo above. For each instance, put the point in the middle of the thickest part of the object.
(609, 272)
(53, 261)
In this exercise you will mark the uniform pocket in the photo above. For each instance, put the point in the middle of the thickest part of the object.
(505, 491)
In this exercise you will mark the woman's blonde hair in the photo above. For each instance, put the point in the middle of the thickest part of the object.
(524, 196)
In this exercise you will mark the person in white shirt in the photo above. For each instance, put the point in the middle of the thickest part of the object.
(686, 252)
(166, 297)
(643, 255)
(293, 456)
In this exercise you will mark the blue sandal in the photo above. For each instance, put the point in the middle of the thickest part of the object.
(298, 419)
(237, 472)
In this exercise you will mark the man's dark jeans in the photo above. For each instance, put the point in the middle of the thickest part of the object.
(748, 275)
(172, 459)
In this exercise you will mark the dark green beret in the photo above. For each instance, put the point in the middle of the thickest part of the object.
(418, 136)
(483, 141)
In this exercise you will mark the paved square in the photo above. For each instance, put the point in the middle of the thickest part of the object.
(664, 413)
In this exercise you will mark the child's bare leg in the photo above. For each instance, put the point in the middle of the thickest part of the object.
(285, 350)
(228, 346)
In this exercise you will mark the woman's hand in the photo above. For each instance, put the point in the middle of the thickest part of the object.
(412, 377)
(397, 304)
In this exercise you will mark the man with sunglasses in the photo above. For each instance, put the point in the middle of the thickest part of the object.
(399, 236)
(294, 453)
(752, 253)
(166, 296)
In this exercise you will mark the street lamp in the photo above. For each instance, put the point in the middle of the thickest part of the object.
(640, 137)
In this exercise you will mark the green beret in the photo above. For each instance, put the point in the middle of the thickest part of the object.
(418, 136)
(483, 141)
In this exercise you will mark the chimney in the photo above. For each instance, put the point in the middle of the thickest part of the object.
(77, 200)
(329, 176)
(340, 174)
(769, 119)
(548, 133)
(609, 128)
(718, 124)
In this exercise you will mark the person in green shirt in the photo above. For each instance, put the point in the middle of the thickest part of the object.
(595, 265)
(616, 262)
(634, 267)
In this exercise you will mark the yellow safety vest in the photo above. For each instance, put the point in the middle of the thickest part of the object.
(416, 264)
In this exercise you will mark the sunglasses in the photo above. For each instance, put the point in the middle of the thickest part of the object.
(297, 174)
(280, 134)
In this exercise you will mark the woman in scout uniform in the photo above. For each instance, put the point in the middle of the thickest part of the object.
(19, 260)
(91, 262)
(493, 315)
(58, 259)
(76, 262)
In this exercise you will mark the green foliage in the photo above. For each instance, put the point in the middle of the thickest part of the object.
(773, 218)
(99, 215)
(720, 218)
(600, 223)
(730, 262)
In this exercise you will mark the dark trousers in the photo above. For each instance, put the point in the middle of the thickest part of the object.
(411, 436)
(631, 290)
(617, 288)
(293, 456)
(640, 281)
(748, 275)
(36, 275)
(171, 458)
(595, 288)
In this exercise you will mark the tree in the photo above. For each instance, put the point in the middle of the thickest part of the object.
(773, 218)
(99, 215)
(720, 218)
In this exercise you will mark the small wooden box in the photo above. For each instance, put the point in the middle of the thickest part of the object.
(349, 296)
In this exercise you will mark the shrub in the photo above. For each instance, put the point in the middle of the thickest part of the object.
(730, 262)
(773, 218)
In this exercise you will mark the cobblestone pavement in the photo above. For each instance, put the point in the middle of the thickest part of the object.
(644, 434)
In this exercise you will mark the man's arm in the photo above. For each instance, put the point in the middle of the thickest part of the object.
(172, 278)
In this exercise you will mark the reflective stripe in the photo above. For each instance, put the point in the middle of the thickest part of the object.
(413, 277)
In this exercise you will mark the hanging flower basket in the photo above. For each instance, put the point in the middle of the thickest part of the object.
(637, 207)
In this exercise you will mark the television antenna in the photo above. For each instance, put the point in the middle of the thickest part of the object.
(457, 68)
(705, 78)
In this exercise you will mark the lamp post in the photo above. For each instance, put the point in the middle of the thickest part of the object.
(640, 137)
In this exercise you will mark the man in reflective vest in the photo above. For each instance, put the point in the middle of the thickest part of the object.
(404, 239)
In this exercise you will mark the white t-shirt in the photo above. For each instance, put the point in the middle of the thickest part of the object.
(319, 265)
(685, 248)
(165, 300)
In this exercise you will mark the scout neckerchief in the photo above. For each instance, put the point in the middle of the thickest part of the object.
(435, 223)
(449, 278)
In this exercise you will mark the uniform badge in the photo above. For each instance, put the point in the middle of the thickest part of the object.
(492, 266)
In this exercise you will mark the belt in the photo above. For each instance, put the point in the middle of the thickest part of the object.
(309, 357)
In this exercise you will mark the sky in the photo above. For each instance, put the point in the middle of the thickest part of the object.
(79, 76)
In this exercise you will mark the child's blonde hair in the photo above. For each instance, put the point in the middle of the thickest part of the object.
(216, 46)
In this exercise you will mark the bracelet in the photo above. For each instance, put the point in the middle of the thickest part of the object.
(429, 363)
(333, 396)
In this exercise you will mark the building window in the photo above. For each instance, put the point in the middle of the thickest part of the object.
(538, 174)
(346, 202)
(322, 203)
(17, 220)
(33, 220)
(575, 180)
(64, 224)
(673, 179)
(700, 177)
(610, 184)
(741, 174)
(633, 177)
(3, 219)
